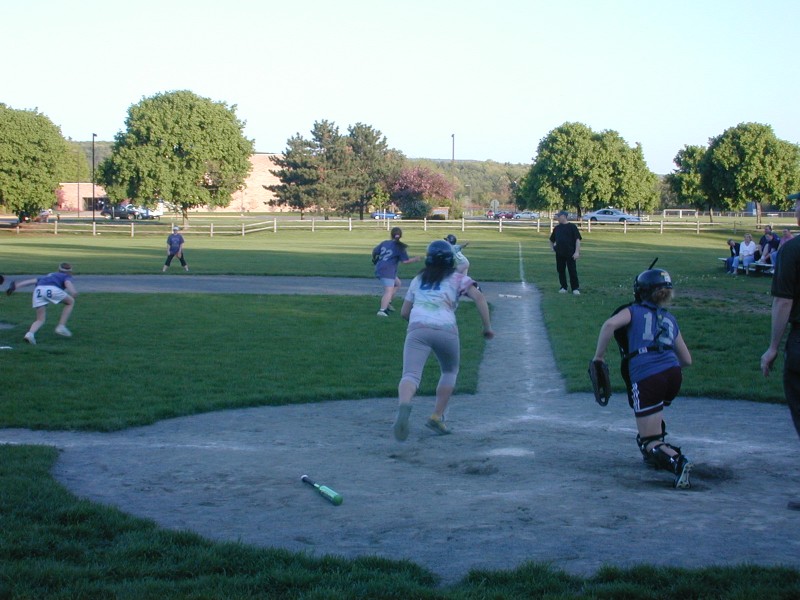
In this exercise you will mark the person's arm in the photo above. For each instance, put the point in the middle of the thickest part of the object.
(483, 310)
(781, 309)
(413, 259)
(577, 254)
(405, 311)
(682, 352)
(24, 283)
(70, 287)
(621, 319)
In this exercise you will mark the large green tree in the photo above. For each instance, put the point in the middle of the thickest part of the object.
(372, 164)
(34, 159)
(179, 147)
(748, 163)
(685, 182)
(577, 168)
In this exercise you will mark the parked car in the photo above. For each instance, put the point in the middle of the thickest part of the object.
(610, 215)
(526, 215)
(385, 215)
(503, 215)
(128, 211)
(151, 213)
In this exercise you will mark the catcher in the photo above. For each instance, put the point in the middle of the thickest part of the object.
(653, 352)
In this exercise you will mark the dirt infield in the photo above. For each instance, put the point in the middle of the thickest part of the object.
(530, 472)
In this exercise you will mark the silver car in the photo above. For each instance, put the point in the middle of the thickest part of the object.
(611, 215)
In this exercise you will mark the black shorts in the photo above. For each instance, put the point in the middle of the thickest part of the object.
(652, 394)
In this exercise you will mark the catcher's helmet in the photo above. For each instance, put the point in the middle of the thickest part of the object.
(450, 238)
(649, 281)
(440, 253)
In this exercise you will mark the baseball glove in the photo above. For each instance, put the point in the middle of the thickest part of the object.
(601, 381)
(2, 280)
(11, 287)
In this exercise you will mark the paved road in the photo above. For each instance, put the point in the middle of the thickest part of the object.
(530, 473)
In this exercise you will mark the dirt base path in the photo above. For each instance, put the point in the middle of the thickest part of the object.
(530, 472)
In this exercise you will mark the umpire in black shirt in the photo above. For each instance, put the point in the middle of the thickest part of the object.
(566, 242)
(786, 310)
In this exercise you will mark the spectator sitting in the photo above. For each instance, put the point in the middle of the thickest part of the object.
(769, 248)
(747, 254)
(734, 248)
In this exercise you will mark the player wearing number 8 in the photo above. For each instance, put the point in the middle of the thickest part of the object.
(53, 288)
(653, 352)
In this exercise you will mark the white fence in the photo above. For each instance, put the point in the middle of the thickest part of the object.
(276, 225)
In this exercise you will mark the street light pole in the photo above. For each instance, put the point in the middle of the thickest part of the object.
(94, 135)
(453, 161)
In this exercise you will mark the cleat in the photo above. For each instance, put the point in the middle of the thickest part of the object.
(401, 423)
(63, 331)
(683, 468)
(576, 292)
(436, 424)
(562, 291)
(382, 313)
(390, 308)
(30, 338)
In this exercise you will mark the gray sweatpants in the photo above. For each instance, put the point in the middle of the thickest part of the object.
(419, 343)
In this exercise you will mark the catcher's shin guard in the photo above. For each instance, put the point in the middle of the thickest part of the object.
(601, 381)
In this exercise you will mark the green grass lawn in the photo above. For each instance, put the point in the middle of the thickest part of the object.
(138, 358)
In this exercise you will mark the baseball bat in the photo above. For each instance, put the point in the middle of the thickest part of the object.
(330, 495)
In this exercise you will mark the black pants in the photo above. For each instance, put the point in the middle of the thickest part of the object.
(180, 258)
(562, 264)
(791, 375)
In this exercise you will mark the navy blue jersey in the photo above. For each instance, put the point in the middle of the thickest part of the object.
(57, 279)
(650, 327)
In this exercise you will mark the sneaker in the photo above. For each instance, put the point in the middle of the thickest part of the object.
(682, 469)
(436, 424)
(576, 292)
(30, 338)
(382, 313)
(61, 330)
(186, 269)
(401, 423)
(562, 291)
(390, 308)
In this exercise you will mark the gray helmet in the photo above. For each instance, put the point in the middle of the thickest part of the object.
(450, 238)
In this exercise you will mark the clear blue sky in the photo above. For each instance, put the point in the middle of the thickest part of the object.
(498, 74)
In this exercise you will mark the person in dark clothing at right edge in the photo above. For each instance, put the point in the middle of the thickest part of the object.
(786, 309)
(566, 242)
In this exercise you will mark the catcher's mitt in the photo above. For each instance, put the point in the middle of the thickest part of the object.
(601, 381)
(11, 287)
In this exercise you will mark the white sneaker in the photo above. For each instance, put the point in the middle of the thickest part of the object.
(562, 291)
(382, 313)
(30, 338)
(63, 331)
(576, 292)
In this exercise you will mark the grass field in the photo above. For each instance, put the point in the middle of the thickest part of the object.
(140, 358)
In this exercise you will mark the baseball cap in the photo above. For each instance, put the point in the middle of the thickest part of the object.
(175, 228)
(562, 212)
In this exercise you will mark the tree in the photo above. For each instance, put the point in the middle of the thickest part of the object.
(748, 163)
(371, 164)
(416, 189)
(34, 159)
(179, 147)
(297, 174)
(686, 182)
(578, 168)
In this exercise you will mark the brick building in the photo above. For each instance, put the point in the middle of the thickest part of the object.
(77, 197)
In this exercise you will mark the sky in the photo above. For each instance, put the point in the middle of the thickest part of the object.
(477, 80)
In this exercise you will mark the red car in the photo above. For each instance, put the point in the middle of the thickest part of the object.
(504, 215)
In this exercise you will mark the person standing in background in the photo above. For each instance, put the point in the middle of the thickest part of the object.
(566, 243)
